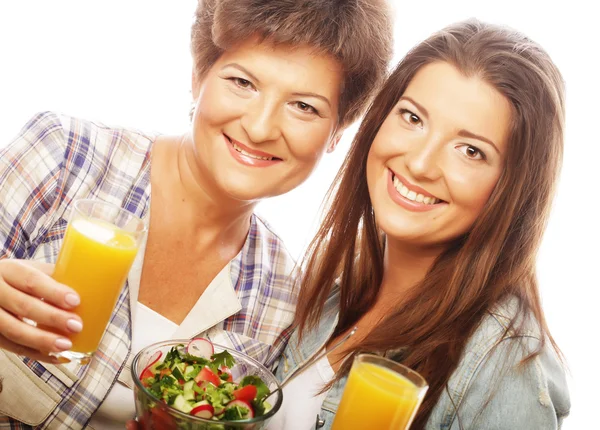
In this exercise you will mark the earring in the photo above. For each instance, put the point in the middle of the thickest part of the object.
(192, 109)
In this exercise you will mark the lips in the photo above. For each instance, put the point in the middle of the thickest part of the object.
(249, 157)
(411, 196)
(249, 152)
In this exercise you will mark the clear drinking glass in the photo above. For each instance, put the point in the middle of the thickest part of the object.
(380, 394)
(100, 244)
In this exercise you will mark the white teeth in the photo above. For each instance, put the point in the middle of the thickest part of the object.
(247, 154)
(412, 195)
(403, 190)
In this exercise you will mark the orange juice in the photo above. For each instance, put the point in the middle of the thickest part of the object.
(376, 398)
(94, 260)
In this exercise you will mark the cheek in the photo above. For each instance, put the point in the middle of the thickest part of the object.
(470, 192)
(307, 142)
(215, 106)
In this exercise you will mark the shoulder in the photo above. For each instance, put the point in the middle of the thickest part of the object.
(492, 385)
(106, 144)
(64, 139)
(42, 138)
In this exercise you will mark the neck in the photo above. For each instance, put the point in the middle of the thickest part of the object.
(196, 199)
(404, 266)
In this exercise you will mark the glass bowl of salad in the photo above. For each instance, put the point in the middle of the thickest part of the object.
(197, 385)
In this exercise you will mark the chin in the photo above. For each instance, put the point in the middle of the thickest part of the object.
(244, 193)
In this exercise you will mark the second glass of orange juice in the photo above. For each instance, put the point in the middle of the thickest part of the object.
(380, 394)
(100, 244)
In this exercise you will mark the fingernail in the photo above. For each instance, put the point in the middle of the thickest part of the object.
(63, 344)
(74, 325)
(72, 299)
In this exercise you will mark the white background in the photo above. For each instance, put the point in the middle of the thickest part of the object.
(127, 63)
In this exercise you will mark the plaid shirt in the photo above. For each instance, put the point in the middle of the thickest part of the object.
(55, 160)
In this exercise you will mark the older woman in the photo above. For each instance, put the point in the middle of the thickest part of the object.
(275, 84)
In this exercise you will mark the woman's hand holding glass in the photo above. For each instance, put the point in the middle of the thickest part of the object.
(28, 292)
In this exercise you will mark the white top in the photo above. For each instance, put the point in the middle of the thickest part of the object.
(119, 406)
(301, 401)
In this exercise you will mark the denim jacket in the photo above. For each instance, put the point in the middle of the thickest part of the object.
(533, 396)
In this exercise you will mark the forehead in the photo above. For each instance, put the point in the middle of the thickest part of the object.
(295, 66)
(454, 100)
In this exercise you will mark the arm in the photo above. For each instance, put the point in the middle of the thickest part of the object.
(30, 169)
(504, 395)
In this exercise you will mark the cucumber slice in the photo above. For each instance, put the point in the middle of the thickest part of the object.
(188, 390)
(191, 372)
(181, 404)
(178, 371)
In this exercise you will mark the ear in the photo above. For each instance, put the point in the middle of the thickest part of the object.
(334, 142)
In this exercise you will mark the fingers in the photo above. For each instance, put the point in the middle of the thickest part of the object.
(33, 278)
(25, 306)
(27, 352)
(46, 268)
(23, 339)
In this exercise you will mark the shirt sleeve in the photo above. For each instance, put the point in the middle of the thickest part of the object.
(30, 169)
(506, 395)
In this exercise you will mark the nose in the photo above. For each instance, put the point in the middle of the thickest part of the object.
(423, 158)
(261, 121)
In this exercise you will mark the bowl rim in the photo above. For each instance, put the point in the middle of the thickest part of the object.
(179, 414)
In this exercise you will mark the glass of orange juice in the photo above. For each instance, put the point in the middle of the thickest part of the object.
(380, 394)
(100, 244)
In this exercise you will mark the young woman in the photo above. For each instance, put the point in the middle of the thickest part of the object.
(430, 240)
(274, 83)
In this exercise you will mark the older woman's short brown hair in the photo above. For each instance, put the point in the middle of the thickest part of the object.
(358, 33)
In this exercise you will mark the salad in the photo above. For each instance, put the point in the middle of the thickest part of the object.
(196, 381)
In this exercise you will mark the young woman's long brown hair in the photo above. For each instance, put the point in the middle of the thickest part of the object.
(495, 259)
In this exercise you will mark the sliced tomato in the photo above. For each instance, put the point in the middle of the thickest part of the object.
(165, 372)
(247, 393)
(225, 371)
(147, 373)
(208, 375)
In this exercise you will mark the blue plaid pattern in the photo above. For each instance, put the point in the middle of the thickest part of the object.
(57, 159)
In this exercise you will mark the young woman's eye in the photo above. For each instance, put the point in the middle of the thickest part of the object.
(241, 82)
(305, 107)
(472, 152)
(411, 118)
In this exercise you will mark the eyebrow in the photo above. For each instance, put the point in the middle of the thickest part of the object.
(420, 107)
(317, 96)
(242, 69)
(461, 133)
(467, 133)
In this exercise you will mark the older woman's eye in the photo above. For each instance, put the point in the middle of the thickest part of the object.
(411, 118)
(241, 82)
